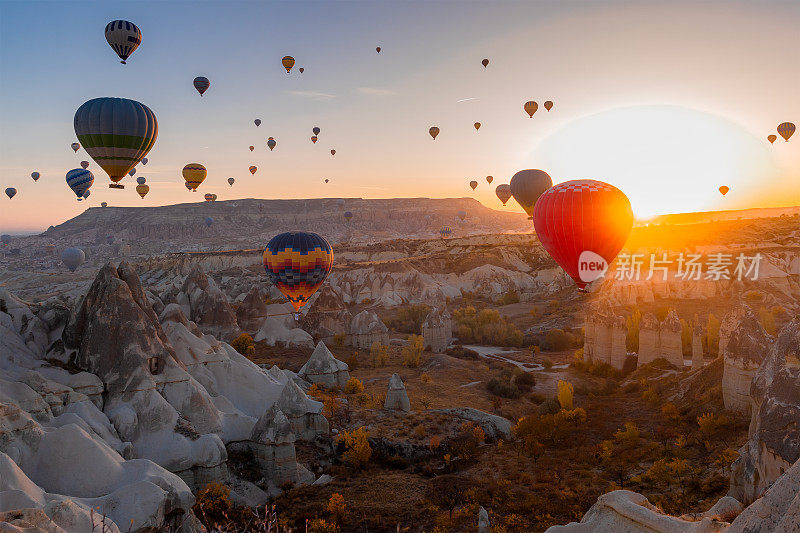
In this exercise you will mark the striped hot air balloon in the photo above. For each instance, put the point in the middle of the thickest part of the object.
(253, 170)
(297, 263)
(786, 130)
(208, 197)
(117, 133)
(79, 180)
(202, 84)
(143, 189)
(445, 232)
(124, 37)
(288, 63)
(348, 216)
(194, 174)
(271, 143)
(35, 175)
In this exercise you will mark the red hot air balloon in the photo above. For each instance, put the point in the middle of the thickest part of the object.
(583, 224)
(724, 190)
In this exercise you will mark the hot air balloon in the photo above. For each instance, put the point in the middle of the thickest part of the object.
(142, 189)
(326, 180)
(194, 174)
(786, 130)
(314, 139)
(333, 152)
(230, 181)
(141, 180)
(117, 133)
(79, 180)
(348, 215)
(202, 84)
(434, 131)
(75, 147)
(445, 232)
(86, 194)
(271, 143)
(257, 122)
(301, 69)
(315, 130)
(583, 224)
(378, 49)
(462, 215)
(131, 172)
(772, 138)
(297, 263)
(208, 197)
(340, 202)
(253, 170)
(11, 192)
(103, 204)
(208, 221)
(503, 192)
(477, 126)
(252, 148)
(288, 63)
(124, 37)
(144, 160)
(489, 179)
(724, 190)
(188, 185)
(473, 184)
(548, 105)
(527, 186)
(73, 258)
(84, 165)
(485, 63)
(35, 175)
(530, 108)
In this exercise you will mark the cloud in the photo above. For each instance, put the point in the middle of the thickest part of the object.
(313, 95)
(465, 100)
(376, 91)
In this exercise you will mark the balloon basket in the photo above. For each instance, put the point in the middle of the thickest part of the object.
(115, 186)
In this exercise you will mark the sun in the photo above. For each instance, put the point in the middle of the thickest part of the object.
(666, 159)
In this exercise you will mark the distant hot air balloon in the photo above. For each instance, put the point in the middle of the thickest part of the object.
(11, 192)
(301, 69)
(434, 131)
(84, 165)
(315, 130)
(208, 197)
(473, 184)
(73, 258)
(462, 214)
(297, 263)
(503, 192)
(257, 122)
(724, 190)
(124, 37)
(445, 232)
(340, 202)
(271, 143)
(489, 179)
(142, 189)
(252, 148)
(79, 180)
(194, 174)
(527, 186)
(288, 63)
(314, 139)
(117, 133)
(348, 215)
(141, 180)
(548, 105)
(772, 138)
(583, 224)
(477, 126)
(253, 170)
(530, 107)
(231, 181)
(75, 147)
(144, 160)
(485, 63)
(786, 130)
(378, 49)
(208, 221)
(333, 152)
(326, 180)
(131, 172)
(103, 204)
(35, 175)
(201, 83)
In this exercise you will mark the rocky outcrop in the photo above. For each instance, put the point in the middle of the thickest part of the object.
(437, 330)
(206, 305)
(777, 510)
(272, 443)
(743, 344)
(324, 369)
(367, 328)
(605, 338)
(252, 311)
(304, 414)
(396, 397)
(698, 359)
(494, 426)
(483, 521)
(660, 339)
(275, 332)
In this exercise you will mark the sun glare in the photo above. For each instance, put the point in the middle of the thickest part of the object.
(666, 159)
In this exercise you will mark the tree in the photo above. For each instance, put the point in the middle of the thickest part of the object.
(354, 386)
(337, 508)
(448, 491)
(412, 352)
(712, 335)
(632, 337)
(358, 450)
(565, 394)
(244, 344)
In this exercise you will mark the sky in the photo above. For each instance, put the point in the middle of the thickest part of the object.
(665, 100)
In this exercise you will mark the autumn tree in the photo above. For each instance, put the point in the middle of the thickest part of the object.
(357, 449)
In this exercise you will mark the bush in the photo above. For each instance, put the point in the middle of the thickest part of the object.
(353, 386)
(510, 297)
(379, 354)
(463, 353)
(629, 435)
(565, 394)
(357, 449)
(339, 338)
(244, 344)
(412, 352)
(558, 340)
(524, 381)
(485, 327)
(337, 508)
(547, 363)
(410, 318)
(549, 407)
(503, 388)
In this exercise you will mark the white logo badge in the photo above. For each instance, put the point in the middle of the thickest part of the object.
(591, 266)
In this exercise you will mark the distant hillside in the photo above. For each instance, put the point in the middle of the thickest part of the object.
(716, 216)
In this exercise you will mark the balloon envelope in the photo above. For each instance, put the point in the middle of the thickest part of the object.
(315, 130)
(208, 197)
(257, 122)
(253, 170)
(297, 263)
(73, 258)
(86, 194)
(503, 192)
(786, 130)
(772, 138)
(208, 221)
(477, 126)
(11, 192)
(314, 139)
(583, 224)
(252, 148)
(75, 146)
(230, 181)
(445, 231)
(485, 63)
(103, 204)
(124, 37)
(378, 49)
(527, 186)
(131, 172)
(489, 179)
(79, 180)
(35, 175)
(724, 190)
(348, 215)
(473, 184)
(141, 180)
(271, 143)
(548, 105)
(194, 174)
(530, 108)
(142, 189)
(144, 160)
(84, 164)
(201, 83)
(288, 63)
(333, 152)
(434, 131)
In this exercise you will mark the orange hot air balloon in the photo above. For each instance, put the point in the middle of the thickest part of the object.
(288, 63)
(503, 192)
(485, 63)
(194, 174)
(477, 126)
(786, 130)
(583, 224)
(772, 138)
(333, 152)
(489, 179)
(253, 170)
(208, 197)
(434, 131)
(143, 190)
(252, 148)
(548, 105)
(530, 107)
(314, 139)
(473, 184)
(724, 190)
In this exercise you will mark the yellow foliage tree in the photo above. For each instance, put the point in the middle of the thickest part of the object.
(337, 508)
(353, 386)
(566, 393)
(412, 352)
(358, 450)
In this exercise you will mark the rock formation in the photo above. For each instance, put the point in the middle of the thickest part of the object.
(671, 342)
(206, 305)
(252, 311)
(660, 339)
(437, 330)
(367, 328)
(605, 336)
(483, 521)
(743, 344)
(275, 332)
(396, 397)
(272, 442)
(698, 359)
(324, 369)
(304, 414)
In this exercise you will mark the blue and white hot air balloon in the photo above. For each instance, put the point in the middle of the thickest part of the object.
(11, 192)
(79, 180)
(124, 37)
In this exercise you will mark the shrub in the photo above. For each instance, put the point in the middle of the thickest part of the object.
(353, 386)
(486, 326)
(632, 336)
(463, 353)
(630, 435)
(557, 340)
(419, 431)
(379, 354)
(410, 318)
(547, 363)
(565, 394)
(213, 503)
(425, 378)
(337, 508)
(711, 425)
(711, 339)
(244, 344)
(510, 297)
(412, 352)
(338, 339)
(670, 411)
(358, 450)
(503, 388)
(549, 407)
(524, 381)
(651, 396)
